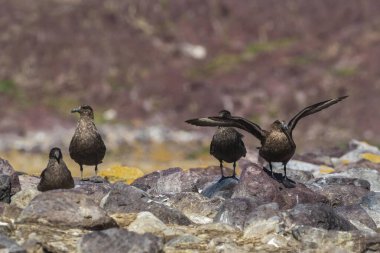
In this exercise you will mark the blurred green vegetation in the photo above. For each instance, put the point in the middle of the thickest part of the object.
(224, 63)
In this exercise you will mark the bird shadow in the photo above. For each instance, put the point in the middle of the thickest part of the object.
(286, 182)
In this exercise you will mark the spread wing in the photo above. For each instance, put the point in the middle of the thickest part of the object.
(312, 109)
(231, 121)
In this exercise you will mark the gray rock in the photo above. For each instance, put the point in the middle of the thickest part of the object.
(370, 175)
(8, 245)
(341, 191)
(234, 211)
(129, 199)
(117, 240)
(256, 183)
(262, 212)
(175, 180)
(7, 169)
(23, 197)
(317, 215)
(356, 213)
(96, 188)
(146, 222)
(196, 207)
(320, 240)
(183, 240)
(371, 203)
(66, 209)
(10, 212)
(224, 188)
(5, 188)
(28, 182)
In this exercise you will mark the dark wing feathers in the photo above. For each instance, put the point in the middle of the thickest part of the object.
(312, 109)
(237, 122)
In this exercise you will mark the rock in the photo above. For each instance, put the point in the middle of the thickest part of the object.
(197, 208)
(256, 183)
(5, 188)
(370, 175)
(40, 238)
(124, 219)
(28, 182)
(341, 191)
(119, 240)
(234, 211)
(321, 240)
(222, 188)
(7, 169)
(8, 245)
(175, 180)
(262, 212)
(8, 211)
(23, 197)
(129, 199)
(92, 188)
(263, 229)
(66, 209)
(181, 242)
(300, 176)
(317, 215)
(357, 149)
(371, 203)
(356, 213)
(146, 222)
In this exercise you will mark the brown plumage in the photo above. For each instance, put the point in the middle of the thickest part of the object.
(277, 143)
(227, 145)
(86, 146)
(56, 175)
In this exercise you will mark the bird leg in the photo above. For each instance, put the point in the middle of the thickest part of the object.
(271, 169)
(285, 177)
(96, 170)
(81, 171)
(234, 174)
(221, 170)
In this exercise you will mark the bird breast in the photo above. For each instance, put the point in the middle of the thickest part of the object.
(277, 147)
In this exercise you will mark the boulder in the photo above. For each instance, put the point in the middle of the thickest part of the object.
(5, 188)
(341, 191)
(10, 246)
(176, 180)
(234, 211)
(371, 203)
(198, 208)
(7, 169)
(256, 183)
(355, 214)
(66, 209)
(317, 215)
(146, 222)
(222, 188)
(96, 188)
(119, 240)
(128, 199)
(320, 240)
(370, 175)
(22, 198)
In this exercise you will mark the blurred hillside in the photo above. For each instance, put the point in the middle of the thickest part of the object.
(162, 62)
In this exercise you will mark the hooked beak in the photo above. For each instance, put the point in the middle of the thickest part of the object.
(56, 156)
(75, 110)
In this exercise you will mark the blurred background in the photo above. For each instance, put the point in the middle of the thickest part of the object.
(147, 66)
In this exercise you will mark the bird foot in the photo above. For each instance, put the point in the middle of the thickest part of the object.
(288, 183)
(224, 178)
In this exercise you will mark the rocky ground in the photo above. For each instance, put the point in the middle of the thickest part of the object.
(334, 206)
